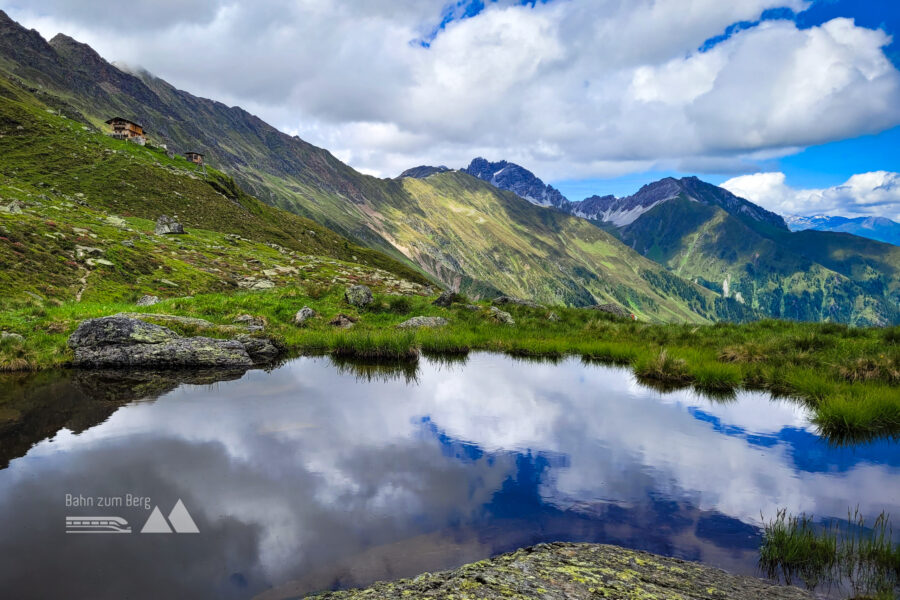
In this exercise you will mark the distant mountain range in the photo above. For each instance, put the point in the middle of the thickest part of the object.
(678, 250)
(736, 248)
(874, 228)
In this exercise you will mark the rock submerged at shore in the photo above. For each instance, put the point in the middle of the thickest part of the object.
(564, 571)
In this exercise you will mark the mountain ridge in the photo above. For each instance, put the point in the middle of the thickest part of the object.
(880, 229)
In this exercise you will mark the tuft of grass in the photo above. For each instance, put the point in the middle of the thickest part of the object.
(848, 554)
(663, 367)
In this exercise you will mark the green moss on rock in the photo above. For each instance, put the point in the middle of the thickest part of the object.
(564, 571)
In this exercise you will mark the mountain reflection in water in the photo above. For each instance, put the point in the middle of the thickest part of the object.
(320, 474)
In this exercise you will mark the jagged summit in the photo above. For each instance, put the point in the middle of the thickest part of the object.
(624, 211)
(517, 179)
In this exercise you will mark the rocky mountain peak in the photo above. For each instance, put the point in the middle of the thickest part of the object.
(517, 179)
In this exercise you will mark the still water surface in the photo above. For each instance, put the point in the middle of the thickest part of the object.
(316, 475)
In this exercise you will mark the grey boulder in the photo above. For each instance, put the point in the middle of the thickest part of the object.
(502, 316)
(428, 322)
(446, 298)
(166, 225)
(116, 342)
(303, 315)
(358, 295)
(148, 300)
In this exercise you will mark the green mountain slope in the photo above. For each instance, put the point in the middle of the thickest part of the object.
(77, 212)
(466, 227)
(519, 250)
(810, 276)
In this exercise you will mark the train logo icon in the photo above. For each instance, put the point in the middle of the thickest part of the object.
(82, 524)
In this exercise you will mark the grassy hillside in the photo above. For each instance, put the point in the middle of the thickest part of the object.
(411, 222)
(77, 213)
(465, 226)
(808, 276)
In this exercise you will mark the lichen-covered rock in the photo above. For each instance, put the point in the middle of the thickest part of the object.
(119, 331)
(502, 316)
(577, 572)
(501, 300)
(148, 300)
(260, 350)
(255, 283)
(428, 322)
(358, 295)
(447, 298)
(166, 225)
(303, 315)
(121, 341)
(8, 335)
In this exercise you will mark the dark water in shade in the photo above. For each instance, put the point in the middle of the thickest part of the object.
(316, 476)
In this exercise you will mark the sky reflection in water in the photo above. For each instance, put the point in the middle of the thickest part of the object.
(309, 477)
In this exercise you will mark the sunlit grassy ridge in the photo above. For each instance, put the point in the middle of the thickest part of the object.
(808, 276)
(848, 376)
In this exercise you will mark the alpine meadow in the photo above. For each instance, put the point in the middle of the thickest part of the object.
(587, 299)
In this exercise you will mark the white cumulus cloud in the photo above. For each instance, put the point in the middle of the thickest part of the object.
(866, 194)
(570, 88)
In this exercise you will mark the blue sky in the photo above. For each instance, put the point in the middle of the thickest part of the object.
(796, 104)
(821, 166)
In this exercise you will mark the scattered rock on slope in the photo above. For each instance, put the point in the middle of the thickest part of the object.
(446, 299)
(502, 316)
(428, 322)
(166, 225)
(147, 300)
(359, 296)
(343, 321)
(303, 315)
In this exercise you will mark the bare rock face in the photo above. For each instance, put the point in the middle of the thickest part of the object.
(167, 225)
(428, 322)
(118, 342)
(577, 572)
(148, 300)
(359, 296)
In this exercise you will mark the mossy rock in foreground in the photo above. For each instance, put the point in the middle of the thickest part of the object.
(573, 572)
